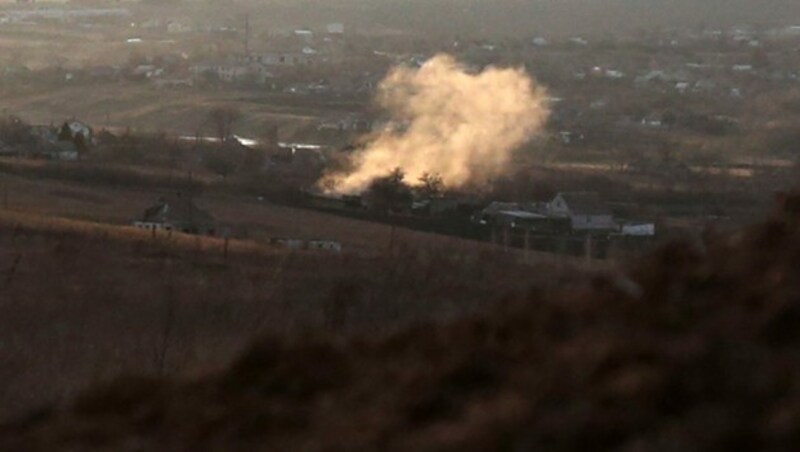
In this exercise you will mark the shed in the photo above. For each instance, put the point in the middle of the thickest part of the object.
(177, 213)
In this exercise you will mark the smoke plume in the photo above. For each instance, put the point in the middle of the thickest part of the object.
(459, 125)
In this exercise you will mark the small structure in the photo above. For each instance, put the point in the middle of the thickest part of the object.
(638, 230)
(62, 150)
(309, 245)
(180, 214)
(585, 211)
(336, 28)
(325, 245)
(530, 217)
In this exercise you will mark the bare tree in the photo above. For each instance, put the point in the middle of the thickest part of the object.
(223, 119)
(431, 185)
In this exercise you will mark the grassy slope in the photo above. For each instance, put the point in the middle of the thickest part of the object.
(81, 302)
(695, 349)
(84, 297)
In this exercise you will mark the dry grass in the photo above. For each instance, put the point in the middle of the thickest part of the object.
(83, 301)
(695, 349)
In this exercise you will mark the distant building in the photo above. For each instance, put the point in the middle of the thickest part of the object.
(335, 28)
(285, 59)
(180, 214)
(532, 217)
(585, 211)
(638, 229)
(310, 245)
(48, 144)
(80, 127)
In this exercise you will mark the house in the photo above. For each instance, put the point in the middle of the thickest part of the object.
(177, 213)
(585, 211)
(532, 217)
(336, 28)
(146, 71)
(48, 143)
(226, 71)
(540, 41)
(80, 127)
(234, 70)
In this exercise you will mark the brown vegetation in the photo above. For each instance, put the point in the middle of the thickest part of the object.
(81, 302)
(695, 349)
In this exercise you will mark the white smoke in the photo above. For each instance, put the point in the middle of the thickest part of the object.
(459, 125)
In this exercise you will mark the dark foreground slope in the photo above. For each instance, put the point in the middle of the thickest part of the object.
(695, 350)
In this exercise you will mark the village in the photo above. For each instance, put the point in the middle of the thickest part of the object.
(555, 226)
(608, 93)
(644, 138)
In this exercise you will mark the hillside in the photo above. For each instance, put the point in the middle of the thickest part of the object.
(693, 349)
(84, 296)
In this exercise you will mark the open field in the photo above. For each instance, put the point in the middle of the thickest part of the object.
(84, 296)
(143, 107)
(81, 302)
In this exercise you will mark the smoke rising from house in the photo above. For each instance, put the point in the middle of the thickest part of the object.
(448, 121)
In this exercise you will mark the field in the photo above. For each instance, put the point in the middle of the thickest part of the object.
(693, 348)
(84, 296)
(145, 108)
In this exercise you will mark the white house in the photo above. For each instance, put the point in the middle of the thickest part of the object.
(585, 211)
(79, 127)
(177, 213)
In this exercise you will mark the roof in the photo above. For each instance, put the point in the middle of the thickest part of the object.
(522, 214)
(177, 209)
(497, 206)
(585, 203)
